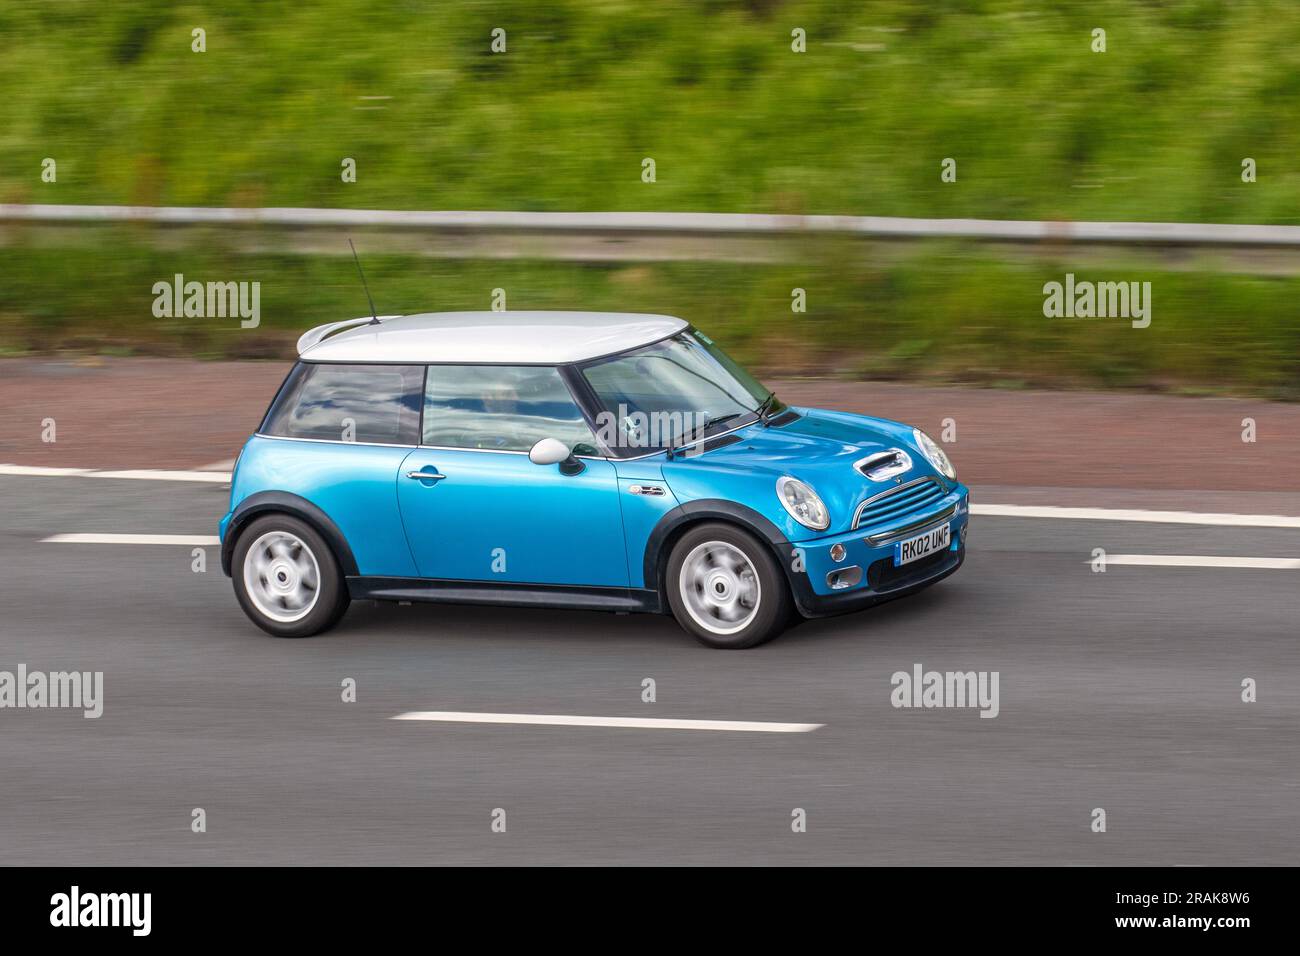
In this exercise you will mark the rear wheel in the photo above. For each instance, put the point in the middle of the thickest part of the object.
(725, 588)
(286, 577)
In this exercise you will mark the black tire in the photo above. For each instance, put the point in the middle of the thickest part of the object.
(330, 598)
(714, 569)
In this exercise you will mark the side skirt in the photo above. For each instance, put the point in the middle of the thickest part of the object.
(441, 591)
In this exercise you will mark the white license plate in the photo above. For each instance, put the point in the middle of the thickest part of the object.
(923, 545)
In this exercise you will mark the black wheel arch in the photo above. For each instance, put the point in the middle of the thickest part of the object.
(686, 515)
(283, 502)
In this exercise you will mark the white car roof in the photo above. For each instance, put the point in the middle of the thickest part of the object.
(526, 338)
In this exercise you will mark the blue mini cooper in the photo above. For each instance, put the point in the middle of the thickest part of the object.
(612, 462)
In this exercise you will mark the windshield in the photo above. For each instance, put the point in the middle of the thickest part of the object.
(675, 390)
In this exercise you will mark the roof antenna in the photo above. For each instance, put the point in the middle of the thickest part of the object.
(374, 316)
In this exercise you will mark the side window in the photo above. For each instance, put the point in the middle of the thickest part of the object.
(502, 408)
(365, 403)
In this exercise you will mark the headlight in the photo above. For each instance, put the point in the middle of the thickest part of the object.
(803, 504)
(931, 450)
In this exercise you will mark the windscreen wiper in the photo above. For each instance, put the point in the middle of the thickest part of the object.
(688, 438)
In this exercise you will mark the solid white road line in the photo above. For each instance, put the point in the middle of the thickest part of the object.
(647, 723)
(1137, 514)
(146, 474)
(1201, 561)
(184, 539)
(994, 511)
(227, 466)
(40, 472)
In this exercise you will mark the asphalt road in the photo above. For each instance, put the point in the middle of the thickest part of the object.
(1118, 690)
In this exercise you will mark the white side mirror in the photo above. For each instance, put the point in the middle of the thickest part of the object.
(549, 451)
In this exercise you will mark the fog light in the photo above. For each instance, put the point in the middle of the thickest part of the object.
(837, 552)
(963, 533)
(844, 578)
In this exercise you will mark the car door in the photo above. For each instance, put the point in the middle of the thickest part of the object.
(475, 508)
(336, 436)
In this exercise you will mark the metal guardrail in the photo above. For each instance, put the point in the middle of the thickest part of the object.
(633, 237)
(679, 223)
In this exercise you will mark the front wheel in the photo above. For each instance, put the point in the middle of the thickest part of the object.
(286, 578)
(725, 588)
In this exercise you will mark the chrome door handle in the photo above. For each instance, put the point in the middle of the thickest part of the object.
(425, 475)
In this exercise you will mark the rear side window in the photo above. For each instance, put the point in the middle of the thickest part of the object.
(502, 408)
(365, 403)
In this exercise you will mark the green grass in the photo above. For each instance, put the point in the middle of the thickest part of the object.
(1040, 126)
(942, 314)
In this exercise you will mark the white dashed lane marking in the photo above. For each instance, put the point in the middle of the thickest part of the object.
(1137, 560)
(1137, 514)
(642, 723)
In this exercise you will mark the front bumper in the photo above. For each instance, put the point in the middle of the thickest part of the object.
(879, 580)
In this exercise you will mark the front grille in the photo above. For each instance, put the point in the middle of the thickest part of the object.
(898, 503)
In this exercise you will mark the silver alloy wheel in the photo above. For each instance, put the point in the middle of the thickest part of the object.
(281, 577)
(719, 587)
